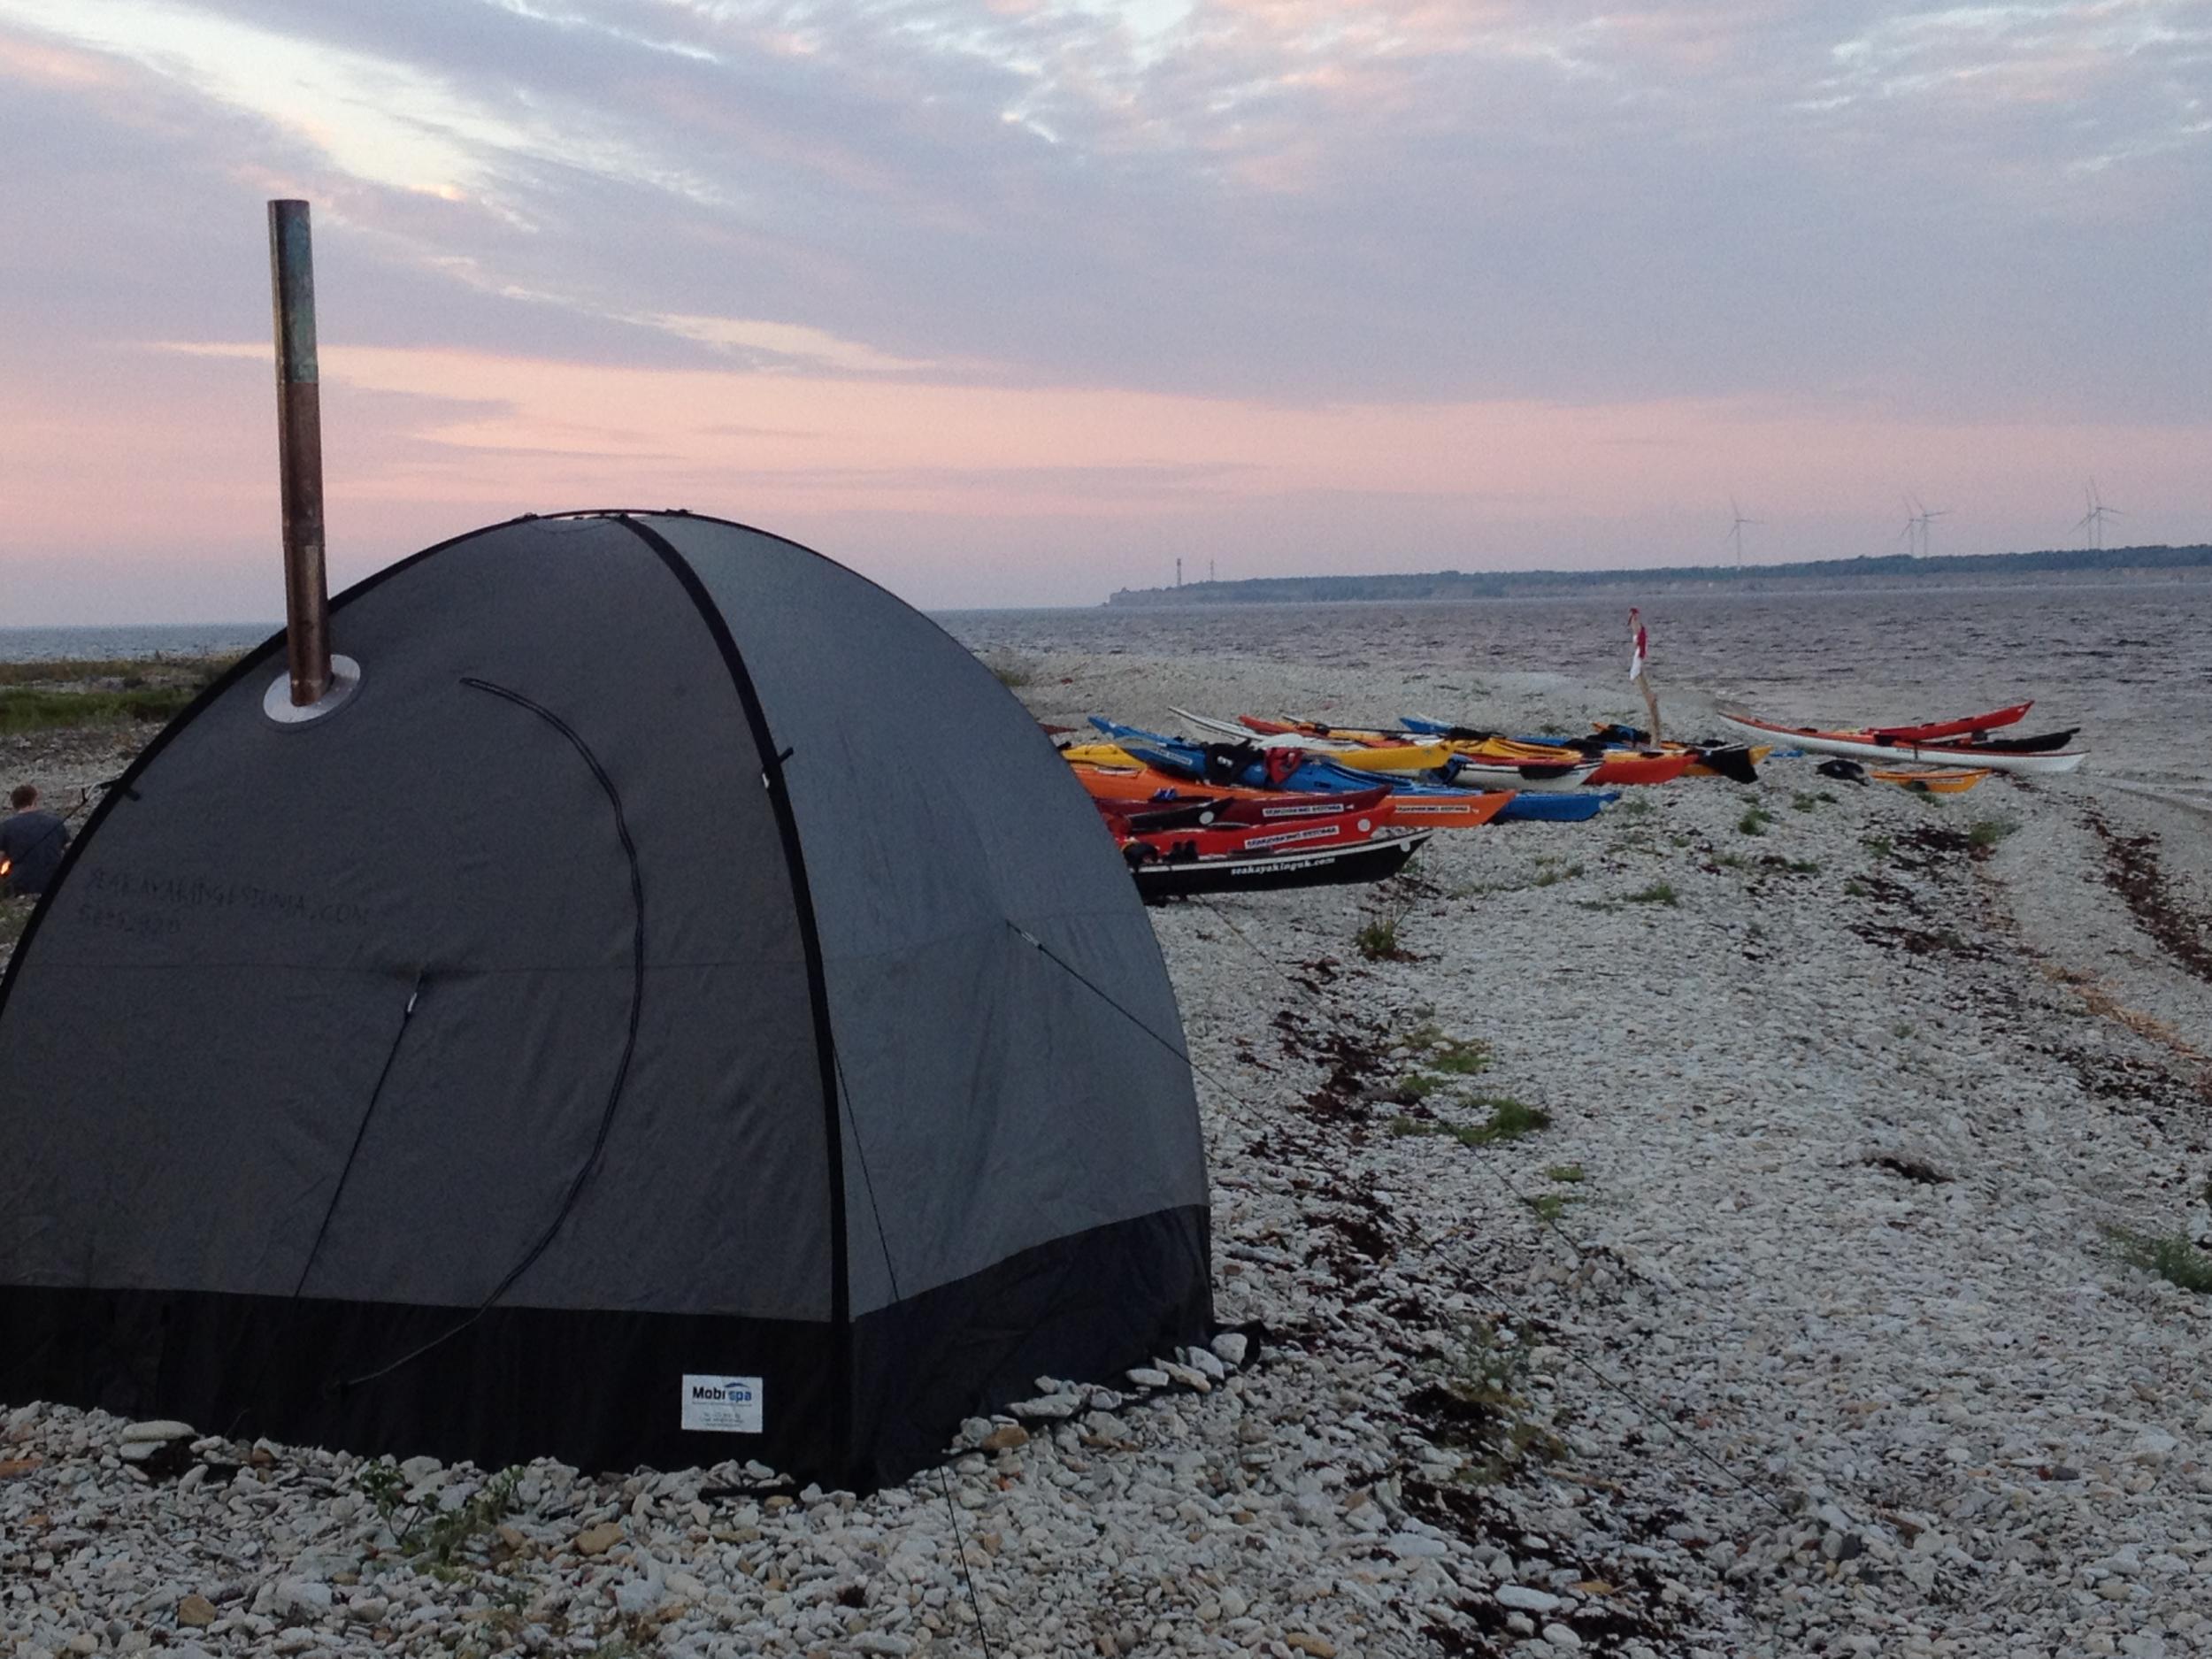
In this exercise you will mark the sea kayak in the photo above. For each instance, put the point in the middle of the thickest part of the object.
(1490, 760)
(1867, 745)
(1247, 841)
(1969, 725)
(1244, 807)
(1160, 878)
(1558, 809)
(1198, 769)
(1930, 779)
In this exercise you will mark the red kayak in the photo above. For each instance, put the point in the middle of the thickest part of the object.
(1206, 811)
(1973, 725)
(1246, 841)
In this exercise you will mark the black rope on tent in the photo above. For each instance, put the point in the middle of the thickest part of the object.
(883, 1243)
(1107, 997)
(361, 1131)
(622, 1070)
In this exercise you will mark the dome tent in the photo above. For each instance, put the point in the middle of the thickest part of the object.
(599, 1037)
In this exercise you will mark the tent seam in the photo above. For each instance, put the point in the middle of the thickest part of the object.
(772, 759)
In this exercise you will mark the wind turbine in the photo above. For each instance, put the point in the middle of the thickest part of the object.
(1917, 519)
(1928, 519)
(2094, 519)
(1735, 529)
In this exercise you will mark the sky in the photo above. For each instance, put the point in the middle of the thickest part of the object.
(1016, 303)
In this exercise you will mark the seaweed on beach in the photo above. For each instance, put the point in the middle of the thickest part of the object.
(2133, 870)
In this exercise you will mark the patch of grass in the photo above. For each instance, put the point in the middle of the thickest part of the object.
(1420, 1085)
(448, 1534)
(1803, 867)
(1377, 942)
(1549, 1206)
(2173, 1257)
(1509, 1120)
(38, 710)
(1570, 1174)
(383, 1485)
(1456, 1056)
(1632, 806)
(1755, 821)
(1881, 846)
(1550, 878)
(1902, 1028)
(1596, 904)
(129, 673)
(1657, 893)
(1855, 888)
(1804, 803)
(1476, 1405)
(436, 1541)
(1989, 830)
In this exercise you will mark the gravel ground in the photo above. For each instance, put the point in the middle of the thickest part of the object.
(1791, 1323)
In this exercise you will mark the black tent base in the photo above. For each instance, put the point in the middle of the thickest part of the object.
(514, 1383)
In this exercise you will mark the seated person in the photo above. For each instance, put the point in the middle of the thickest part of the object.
(31, 844)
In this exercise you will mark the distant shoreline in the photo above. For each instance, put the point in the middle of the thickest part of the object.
(1985, 570)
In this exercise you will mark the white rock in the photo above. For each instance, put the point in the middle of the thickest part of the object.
(1146, 1377)
(158, 1430)
(1559, 1636)
(1230, 1347)
(1048, 1407)
(633, 1597)
(2153, 1445)
(1416, 1544)
(1527, 1600)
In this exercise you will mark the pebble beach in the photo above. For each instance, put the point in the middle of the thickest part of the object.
(1712, 1230)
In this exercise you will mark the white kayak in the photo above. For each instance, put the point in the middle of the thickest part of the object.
(1858, 745)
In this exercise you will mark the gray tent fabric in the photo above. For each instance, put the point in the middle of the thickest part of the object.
(680, 962)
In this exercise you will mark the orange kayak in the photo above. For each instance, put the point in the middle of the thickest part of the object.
(1630, 765)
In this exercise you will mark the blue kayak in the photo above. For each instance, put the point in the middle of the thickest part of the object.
(1558, 807)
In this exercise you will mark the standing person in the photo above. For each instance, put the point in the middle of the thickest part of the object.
(1640, 667)
(31, 844)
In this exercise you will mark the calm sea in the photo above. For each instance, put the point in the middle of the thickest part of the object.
(145, 639)
(2131, 664)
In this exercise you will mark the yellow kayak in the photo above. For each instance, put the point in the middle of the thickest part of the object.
(1491, 748)
(1099, 755)
(1929, 779)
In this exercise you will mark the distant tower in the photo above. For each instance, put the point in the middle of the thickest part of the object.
(1735, 530)
(1178, 571)
(2094, 519)
(1209, 569)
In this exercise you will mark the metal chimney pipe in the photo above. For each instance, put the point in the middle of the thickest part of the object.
(300, 453)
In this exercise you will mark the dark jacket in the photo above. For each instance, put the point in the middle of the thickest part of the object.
(32, 843)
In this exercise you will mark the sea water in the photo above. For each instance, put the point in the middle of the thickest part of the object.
(134, 640)
(2129, 663)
